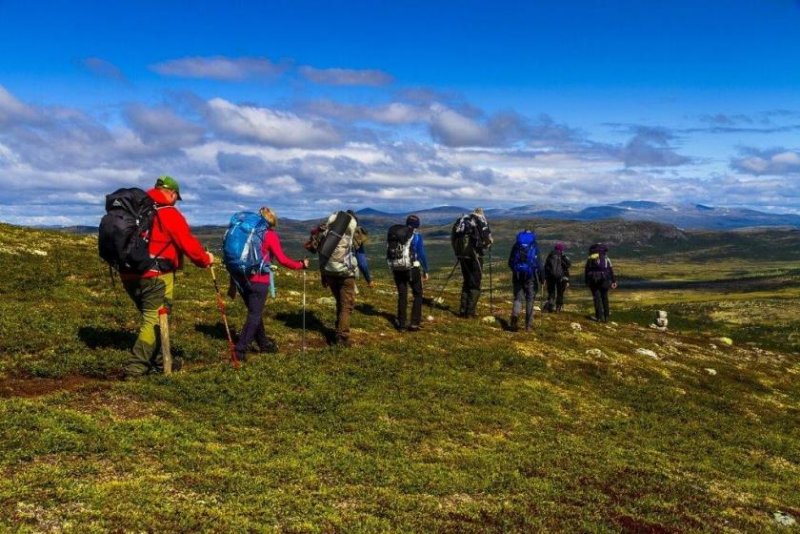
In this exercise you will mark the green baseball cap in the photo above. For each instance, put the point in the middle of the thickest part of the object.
(168, 182)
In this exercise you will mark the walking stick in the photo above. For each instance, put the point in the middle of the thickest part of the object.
(221, 307)
(163, 328)
(441, 291)
(304, 312)
(491, 285)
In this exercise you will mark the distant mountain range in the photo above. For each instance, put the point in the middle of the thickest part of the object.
(691, 217)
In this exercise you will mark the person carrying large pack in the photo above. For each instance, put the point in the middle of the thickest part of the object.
(599, 277)
(250, 244)
(556, 272)
(144, 237)
(337, 241)
(470, 237)
(405, 255)
(526, 276)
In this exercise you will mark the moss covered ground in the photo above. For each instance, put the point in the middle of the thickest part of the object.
(462, 427)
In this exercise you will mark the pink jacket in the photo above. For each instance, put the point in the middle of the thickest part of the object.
(271, 248)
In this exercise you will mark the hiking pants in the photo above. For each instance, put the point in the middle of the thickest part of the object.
(404, 279)
(344, 291)
(600, 297)
(254, 295)
(523, 287)
(472, 272)
(556, 288)
(149, 295)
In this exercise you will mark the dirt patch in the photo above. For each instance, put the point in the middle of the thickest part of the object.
(38, 387)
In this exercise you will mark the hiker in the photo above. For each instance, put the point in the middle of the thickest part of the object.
(556, 272)
(526, 276)
(471, 238)
(152, 290)
(599, 276)
(336, 244)
(254, 289)
(405, 255)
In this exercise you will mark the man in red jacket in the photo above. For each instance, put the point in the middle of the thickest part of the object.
(152, 290)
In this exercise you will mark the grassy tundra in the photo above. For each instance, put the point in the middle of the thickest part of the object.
(461, 427)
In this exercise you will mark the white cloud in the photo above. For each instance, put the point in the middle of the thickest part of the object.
(218, 68)
(13, 109)
(453, 129)
(271, 127)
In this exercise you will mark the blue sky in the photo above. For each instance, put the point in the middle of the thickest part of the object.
(313, 106)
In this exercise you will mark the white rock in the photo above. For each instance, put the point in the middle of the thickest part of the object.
(709, 370)
(594, 352)
(725, 340)
(327, 300)
(489, 319)
(294, 293)
(576, 326)
(439, 300)
(647, 352)
(429, 318)
(784, 519)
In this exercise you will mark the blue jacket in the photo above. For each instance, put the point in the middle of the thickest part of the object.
(418, 251)
(361, 259)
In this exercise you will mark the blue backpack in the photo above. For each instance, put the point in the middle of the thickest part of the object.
(525, 259)
(241, 246)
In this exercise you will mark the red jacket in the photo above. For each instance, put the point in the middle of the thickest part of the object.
(171, 238)
(271, 248)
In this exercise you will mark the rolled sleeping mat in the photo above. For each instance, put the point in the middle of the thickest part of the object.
(337, 226)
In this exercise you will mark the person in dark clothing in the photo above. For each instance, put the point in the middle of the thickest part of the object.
(255, 288)
(556, 270)
(412, 278)
(471, 238)
(599, 277)
(526, 276)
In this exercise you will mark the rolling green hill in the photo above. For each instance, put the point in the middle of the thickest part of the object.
(461, 427)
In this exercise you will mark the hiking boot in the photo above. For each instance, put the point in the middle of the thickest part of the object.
(414, 328)
(343, 341)
(514, 323)
(399, 326)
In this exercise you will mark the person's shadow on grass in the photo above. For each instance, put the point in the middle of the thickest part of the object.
(369, 309)
(294, 320)
(98, 337)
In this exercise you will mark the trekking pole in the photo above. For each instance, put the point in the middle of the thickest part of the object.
(221, 307)
(441, 291)
(163, 330)
(304, 312)
(491, 285)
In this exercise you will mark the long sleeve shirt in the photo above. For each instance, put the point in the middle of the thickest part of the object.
(271, 249)
(418, 251)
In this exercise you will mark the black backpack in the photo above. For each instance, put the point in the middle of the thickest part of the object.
(124, 233)
(398, 247)
(553, 268)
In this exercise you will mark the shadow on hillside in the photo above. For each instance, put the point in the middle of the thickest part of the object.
(369, 309)
(216, 331)
(97, 337)
(295, 320)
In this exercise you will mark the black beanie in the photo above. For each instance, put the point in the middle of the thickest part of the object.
(412, 221)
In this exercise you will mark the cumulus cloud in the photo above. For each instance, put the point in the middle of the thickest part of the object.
(268, 126)
(651, 147)
(219, 68)
(162, 126)
(11, 109)
(767, 162)
(104, 69)
(346, 76)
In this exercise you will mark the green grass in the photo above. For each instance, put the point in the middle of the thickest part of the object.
(462, 427)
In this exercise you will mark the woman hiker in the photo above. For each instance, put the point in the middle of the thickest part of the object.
(255, 288)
